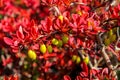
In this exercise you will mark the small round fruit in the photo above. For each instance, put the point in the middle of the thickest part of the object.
(65, 39)
(60, 43)
(79, 12)
(43, 48)
(54, 41)
(31, 54)
(78, 60)
(49, 48)
(60, 17)
(74, 57)
(86, 60)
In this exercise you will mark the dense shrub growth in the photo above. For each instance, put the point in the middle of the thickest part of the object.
(59, 39)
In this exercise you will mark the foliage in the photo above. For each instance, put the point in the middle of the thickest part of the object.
(59, 39)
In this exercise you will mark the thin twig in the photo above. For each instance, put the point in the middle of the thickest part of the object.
(98, 62)
(77, 3)
(57, 10)
(83, 56)
(108, 62)
(118, 35)
(106, 57)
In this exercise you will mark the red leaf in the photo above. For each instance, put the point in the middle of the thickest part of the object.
(62, 62)
(8, 41)
(11, 77)
(79, 42)
(55, 27)
(66, 77)
(46, 25)
(84, 67)
(72, 41)
(15, 50)
(66, 14)
(16, 77)
(34, 31)
(20, 33)
(86, 8)
(49, 1)
(75, 17)
(6, 61)
(94, 72)
(113, 79)
(35, 47)
(67, 2)
(8, 28)
(16, 43)
(105, 71)
(83, 74)
(5, 78)
(79, 78)
(49, 22)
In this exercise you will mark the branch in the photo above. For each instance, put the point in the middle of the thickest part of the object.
(108, 62)
(103, 4)
(98, 62)
(47, 35)
(56, 9)
(118, 35)
(106, 57)
(83, 56)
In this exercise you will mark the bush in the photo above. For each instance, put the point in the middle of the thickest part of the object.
(55, 40)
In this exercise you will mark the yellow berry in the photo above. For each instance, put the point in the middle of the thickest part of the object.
(65, 38)
(43, 48)
(54, 41)
(86, 60)
(32, 54)
(79, 12)
(49, 48)
(74, 57)
(78, 60)
(60, 17)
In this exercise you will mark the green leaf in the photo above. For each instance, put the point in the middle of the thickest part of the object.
(118, 74)
(114, 30)
(35, 77)
(113, 38)
(110, 33)
(106, 78)
(107, 42)
(1, 16)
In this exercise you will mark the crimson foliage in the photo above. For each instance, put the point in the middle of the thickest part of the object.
(71, 32)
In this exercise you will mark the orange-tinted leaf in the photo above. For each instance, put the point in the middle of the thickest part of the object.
(67, 2)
